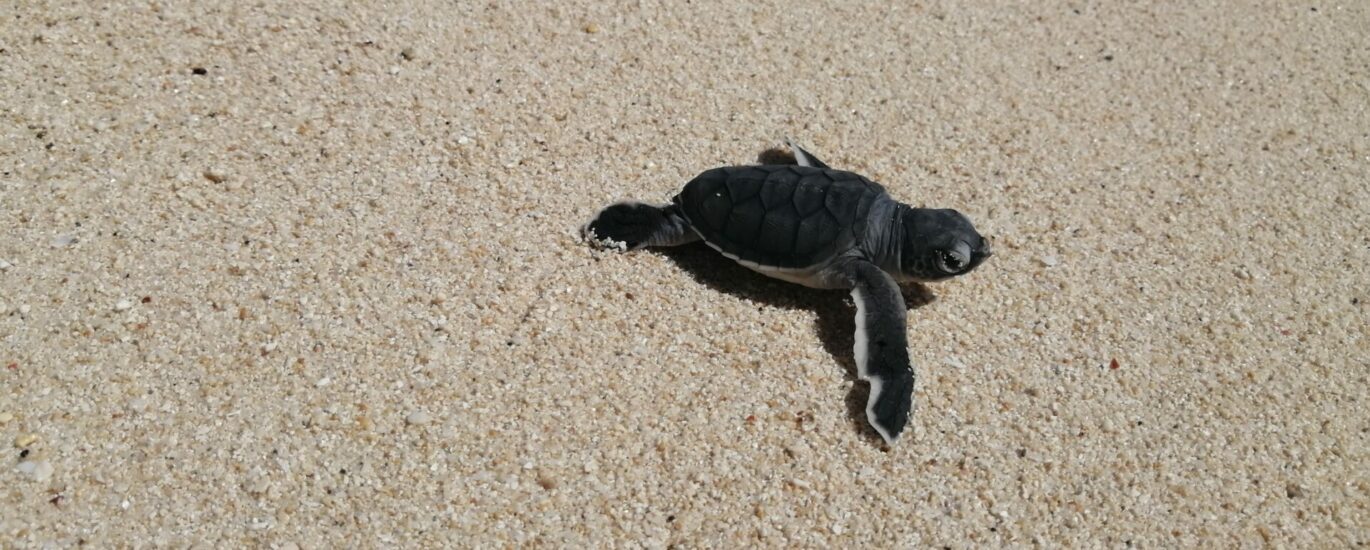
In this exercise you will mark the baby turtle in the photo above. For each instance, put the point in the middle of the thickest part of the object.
(799, 220)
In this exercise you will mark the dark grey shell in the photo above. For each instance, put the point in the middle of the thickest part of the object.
(785, 216)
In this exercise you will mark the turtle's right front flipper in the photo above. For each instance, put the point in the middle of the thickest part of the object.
(882, 351)
(632, 225)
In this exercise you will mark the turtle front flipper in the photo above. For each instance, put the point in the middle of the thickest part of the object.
(796, 155)
(882, 351)
(630, 225)
(802, 157)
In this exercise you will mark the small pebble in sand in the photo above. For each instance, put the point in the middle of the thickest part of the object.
(323, 382)
(24, 309)
(122, 305)
(408, 54)
(954, 362)
(418, 418)
(5, 265)
(591, 28)
(24, 440)
(40, 470)
(63, 241)
(1050, 260)
(5, 418)
(216, 175)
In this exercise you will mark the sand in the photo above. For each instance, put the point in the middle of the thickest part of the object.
(306, 274)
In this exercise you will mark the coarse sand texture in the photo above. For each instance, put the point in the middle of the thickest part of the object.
(308, 275)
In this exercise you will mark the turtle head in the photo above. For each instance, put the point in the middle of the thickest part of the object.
(940, 244)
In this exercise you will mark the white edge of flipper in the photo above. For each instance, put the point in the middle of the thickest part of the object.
(801, 156)
(862, 354)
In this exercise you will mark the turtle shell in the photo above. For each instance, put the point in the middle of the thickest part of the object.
(783, 216)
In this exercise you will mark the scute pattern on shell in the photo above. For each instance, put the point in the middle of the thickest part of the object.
(784, 216)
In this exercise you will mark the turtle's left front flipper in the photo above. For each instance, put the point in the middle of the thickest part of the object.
(802, 157)
(795, 155)
(882, 351)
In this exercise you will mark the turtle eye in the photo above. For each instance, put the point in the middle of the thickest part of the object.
(952, 261)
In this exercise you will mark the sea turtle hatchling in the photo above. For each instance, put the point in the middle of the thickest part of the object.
(804, 222)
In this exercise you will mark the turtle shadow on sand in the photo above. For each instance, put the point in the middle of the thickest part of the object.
(836, 324)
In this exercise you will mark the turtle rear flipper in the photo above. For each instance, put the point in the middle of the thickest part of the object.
(630, 225)
(882, 351)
